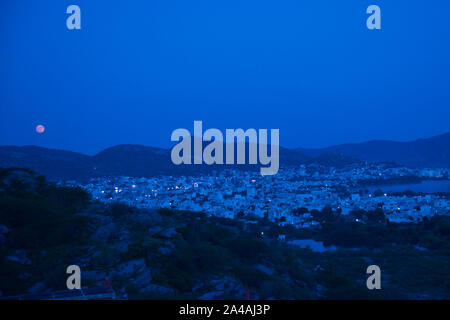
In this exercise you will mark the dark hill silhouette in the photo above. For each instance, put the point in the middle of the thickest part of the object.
(52, 163)
(431, 152)
(121, 160)
(334, 160)
(137, 160)
(143, 161)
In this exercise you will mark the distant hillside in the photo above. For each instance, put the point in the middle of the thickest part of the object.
(127, 160)
(143, 161)
(121, 160)
(54, 164)
(334, 160)
(134, 160)
(431, 152)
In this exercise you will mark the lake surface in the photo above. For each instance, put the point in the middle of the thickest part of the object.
(316, 246)
(427, 186)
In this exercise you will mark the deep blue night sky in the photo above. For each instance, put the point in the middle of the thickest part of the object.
(137, 70)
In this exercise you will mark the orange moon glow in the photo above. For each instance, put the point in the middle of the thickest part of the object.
(40, 128)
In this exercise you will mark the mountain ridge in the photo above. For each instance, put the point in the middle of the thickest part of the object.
(120, 160)
(423, 152)
(147, 161)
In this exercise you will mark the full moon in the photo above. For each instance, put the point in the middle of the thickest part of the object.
(40, 128)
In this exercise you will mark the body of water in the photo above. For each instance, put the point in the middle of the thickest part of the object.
(427, 186)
